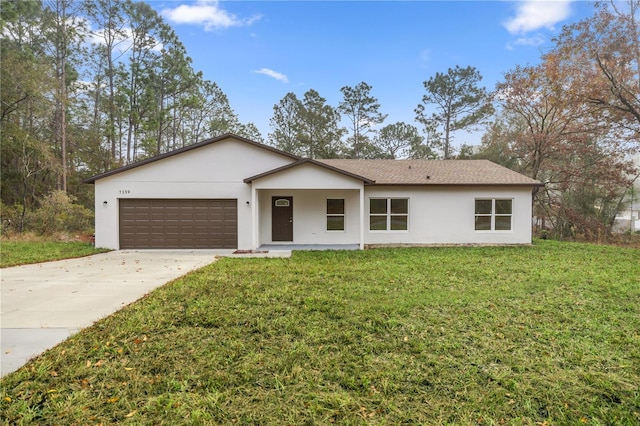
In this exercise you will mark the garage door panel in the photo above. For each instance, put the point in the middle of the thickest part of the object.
(203, 230)
(178, 223)
(172, 229)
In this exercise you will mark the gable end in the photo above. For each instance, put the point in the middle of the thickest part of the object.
(198, 145)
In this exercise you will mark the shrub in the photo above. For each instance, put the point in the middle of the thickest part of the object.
(58, 213)
(11, 218)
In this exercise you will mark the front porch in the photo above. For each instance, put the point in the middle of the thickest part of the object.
(309, 205)
(302, 219)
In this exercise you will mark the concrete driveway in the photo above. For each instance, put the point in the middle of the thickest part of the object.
(43, 304)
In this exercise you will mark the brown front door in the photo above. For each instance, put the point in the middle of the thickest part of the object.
(282, 219)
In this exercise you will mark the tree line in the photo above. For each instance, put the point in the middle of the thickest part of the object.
(90, 85)
(311, 128)
(573, 121)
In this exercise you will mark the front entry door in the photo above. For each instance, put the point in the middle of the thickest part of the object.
(282, 219)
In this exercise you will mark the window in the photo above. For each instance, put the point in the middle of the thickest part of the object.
(335, 214)
(388, 214)
(493, 214)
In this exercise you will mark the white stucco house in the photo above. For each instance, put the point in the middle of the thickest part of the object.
(230, 192)
(628, 220)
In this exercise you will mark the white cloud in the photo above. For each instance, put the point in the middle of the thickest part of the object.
(207, 13)
(273, 74)
(533, 41)
(535, 14)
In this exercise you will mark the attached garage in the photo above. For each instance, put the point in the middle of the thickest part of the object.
(178, 224)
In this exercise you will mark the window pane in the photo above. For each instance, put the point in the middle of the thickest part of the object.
(400, 205)
(503, 223)
(483, 206)
(335, 206)
(503, 206)
(378, 223)
(483, 223)
(378, 205)
(398, 223)
(335, 223)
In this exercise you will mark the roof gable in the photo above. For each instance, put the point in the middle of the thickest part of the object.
(195, 146)
(309, 161)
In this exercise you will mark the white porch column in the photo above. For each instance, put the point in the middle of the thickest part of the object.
(362, 221)
(255, 221)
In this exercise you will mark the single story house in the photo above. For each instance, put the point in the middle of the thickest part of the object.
(628, 220)
(231, 192)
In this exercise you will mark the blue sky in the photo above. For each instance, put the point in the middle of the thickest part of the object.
(258, 51)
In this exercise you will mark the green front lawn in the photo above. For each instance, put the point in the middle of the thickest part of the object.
(548, 334)
(14, 253)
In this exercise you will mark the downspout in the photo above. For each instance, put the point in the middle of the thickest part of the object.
(362, 216)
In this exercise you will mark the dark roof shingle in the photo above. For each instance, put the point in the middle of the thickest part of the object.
(432, 172)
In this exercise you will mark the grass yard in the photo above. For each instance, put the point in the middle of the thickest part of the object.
(14, 253)
(540, 335)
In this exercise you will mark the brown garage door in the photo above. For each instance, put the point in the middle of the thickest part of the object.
(178, 224)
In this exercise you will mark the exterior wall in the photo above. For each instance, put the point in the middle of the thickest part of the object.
(309, 216)
(445, 215)
(437, 215)
(214, 171)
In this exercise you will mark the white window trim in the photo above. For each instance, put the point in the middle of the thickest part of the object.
(493, 215)
(344, 216)
(388, 215)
